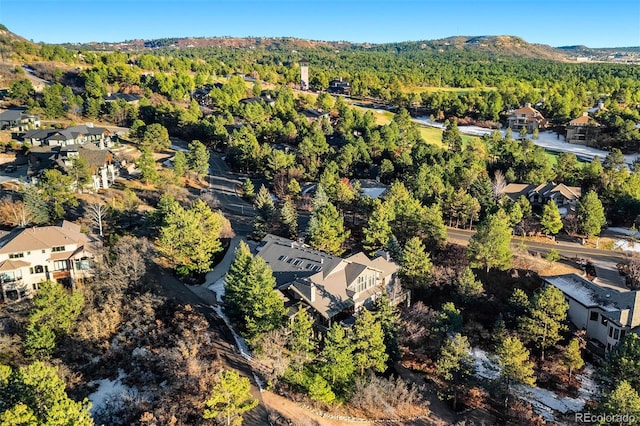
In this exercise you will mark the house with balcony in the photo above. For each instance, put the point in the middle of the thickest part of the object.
(527, 117)
(565, 197)
(331, 288)
(583, 130)
(17, 120)
(101, 162)
(31, 255)
(76, 135)
(606, 314)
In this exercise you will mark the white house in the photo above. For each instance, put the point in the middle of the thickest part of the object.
(607, 315)
(32, 255)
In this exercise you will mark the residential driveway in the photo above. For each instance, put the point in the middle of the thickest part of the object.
(608, 276)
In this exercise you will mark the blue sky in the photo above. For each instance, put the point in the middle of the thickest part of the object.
(594, 23)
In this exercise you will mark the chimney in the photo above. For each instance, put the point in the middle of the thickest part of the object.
(527, 105)
(312, 292)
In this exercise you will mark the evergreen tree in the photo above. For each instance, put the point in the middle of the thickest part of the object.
(302, 342)
(623, 363)
(467, 285)
(455, 365)
(572, 358)
(180, 164)
(236, 290)
(248, 190)
(155, 138)
(265, 211)
(590, 214)
(265, 309)
(515, 367)
(451, 137)
(490, 247)
(546, 318)
(415, 264)
(35, 395)
(319, 390)
(55, 188)
(189, 238)
(449, 319)
(326, 230)
(198, 158)
(389, 318)
(289, 218)
(230, 399)
(35, 203)
(147, 166)
(623, 402)
(368, 340)
(550, 221)
(337, 365)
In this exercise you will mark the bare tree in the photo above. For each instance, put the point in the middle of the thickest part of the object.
(97, 214)
(499, 182)
(14, 212)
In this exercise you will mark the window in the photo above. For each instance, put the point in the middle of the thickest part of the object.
(623, 333)
(16, 255)
(610, 331)
(56, 249)
(593, 316)
(60, 265)
(603, 320)
(616, 334)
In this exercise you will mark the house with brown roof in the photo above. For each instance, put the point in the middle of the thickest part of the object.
(583, 130)
(527, 117)
(329, 287)
(32, 255)
(565, 197)
(606, 314)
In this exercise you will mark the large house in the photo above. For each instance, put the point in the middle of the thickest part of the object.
(76, 135)
(339, 87)
(606, 315)
(101, 162)
(17, 120)
(331, 288)
(564, 196)
(527, 117)
(32, 255)
(583, 130)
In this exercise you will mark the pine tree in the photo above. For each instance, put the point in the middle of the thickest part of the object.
(572, 358)
(198, 158)
(513, 359)
(147, 166)
(467, 285)
(302, 342)
(180, 164)
(550, 221)
(623, 363)
(623, 401)
(368, 340)
(415, 264)
(449, 319)
(326, 230)
(289, 218)
(265, 310)
(236, 291)
(590, 214)
(35, 395)
(456, 365)
(490, 247)
(319, 390)
(337, 365)
(248, 190)
(265, 211)
(546, 318)
(230, 399)
(389, 318)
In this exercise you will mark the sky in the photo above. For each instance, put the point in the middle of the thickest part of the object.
(594, 23)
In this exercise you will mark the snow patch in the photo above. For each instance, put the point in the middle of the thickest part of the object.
(240, 342)
(625, 245)
(218, 288)
(545, 402)
(625, 231)
(109, 391)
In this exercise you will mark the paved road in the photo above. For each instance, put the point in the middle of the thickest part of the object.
(570, 250)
